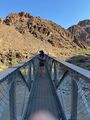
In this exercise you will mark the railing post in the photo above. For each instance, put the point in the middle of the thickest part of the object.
(55, 74)
(29, 75)
(49, 66)
(12, 101)
(74, 98)
(34, 72)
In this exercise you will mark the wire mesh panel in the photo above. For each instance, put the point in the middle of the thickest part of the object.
(22, 94)
(83, 109)
(4, 100)
(65, 94)
(73, 88)
(23, 85)
(15, 86)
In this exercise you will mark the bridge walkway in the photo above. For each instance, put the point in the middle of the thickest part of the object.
(42, 96)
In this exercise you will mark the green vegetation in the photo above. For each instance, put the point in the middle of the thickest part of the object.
(15, 61)
(82, 58)
(79, 57)
(83, 51)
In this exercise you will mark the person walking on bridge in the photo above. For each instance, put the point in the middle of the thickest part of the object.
(41, 57)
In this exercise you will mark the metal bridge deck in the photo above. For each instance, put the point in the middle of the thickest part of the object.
(19, 102)
(42, 97)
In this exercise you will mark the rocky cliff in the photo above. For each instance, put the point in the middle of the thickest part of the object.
(81, 31)
(44, 30)
(21, 34)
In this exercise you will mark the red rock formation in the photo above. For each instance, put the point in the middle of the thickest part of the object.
(81, 31)
(41, 29)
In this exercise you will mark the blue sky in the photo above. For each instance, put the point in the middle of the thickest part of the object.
(62, 12)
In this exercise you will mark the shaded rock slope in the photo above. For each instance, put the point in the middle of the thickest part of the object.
(81, 31)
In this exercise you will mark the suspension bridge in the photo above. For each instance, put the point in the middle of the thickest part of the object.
(59, 88)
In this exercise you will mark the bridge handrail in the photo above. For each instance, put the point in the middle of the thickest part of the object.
(11, 70)
(9, 81)
(85, 73)
(78, 84)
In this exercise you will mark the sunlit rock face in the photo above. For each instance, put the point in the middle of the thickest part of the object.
(1, 21)
(42, 29)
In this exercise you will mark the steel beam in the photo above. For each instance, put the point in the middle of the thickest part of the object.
(12, 102)
(74, 99)
(29, 76)
(55, 74)
(24, 80)
(34, 71)
(62, 78)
